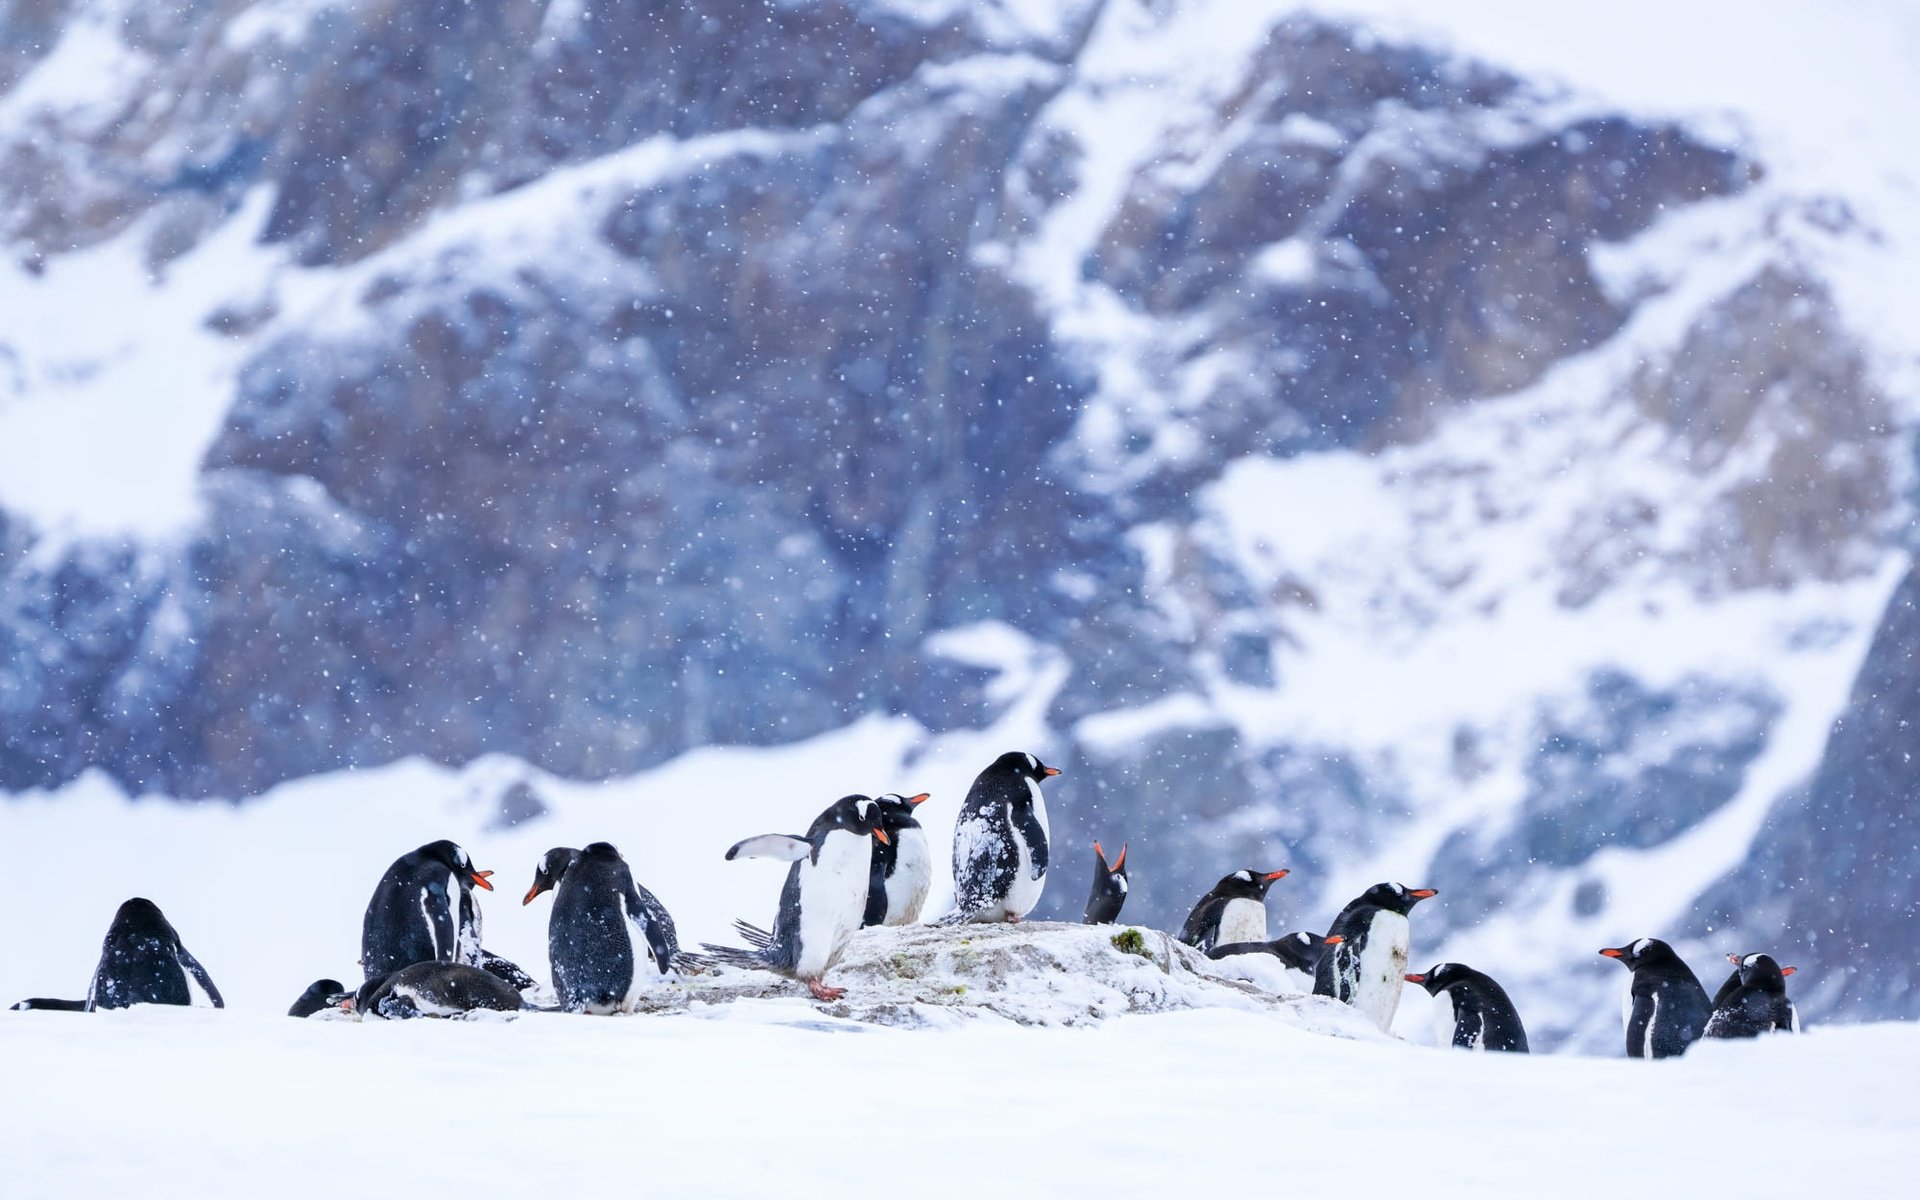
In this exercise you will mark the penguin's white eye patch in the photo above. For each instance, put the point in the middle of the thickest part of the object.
(460, 856)
(1640, 947)
(1244, 876)
(1033, 764)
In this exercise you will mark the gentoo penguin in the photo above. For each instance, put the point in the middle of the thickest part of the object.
(1666, 1009)
(604, 926)
(902, 868)
(1757, 1003)
(1367, 968)
(1475, 1013)
(1285, 964)
(423, 910)
(823, 899)
(1234, 911)
(1000, 842)
(1109, 888)
(435, 989)
(141, 962)
(322, 995)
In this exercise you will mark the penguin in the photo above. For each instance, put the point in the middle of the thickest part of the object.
(1234, 911)
(322, 995)
(1477, 1013)
(1109, 888)
(1367, 968)
(1666, 1009)
(824, 897)
(1285, 964)
(142, 961)
(603, 926)
(435, 989)
(1757, 1001)
(423, 910)
(1000, 842)
(902, 869)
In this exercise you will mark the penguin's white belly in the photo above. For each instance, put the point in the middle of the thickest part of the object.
(911, 879)
(467, 934)
(1444, 1020)
(833, 897)
(1242, 920)
(1382, 970)
(639, 952)
(1626, 1004)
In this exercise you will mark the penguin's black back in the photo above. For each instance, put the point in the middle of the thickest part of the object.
(1753, 1002)
(435, 989)
(886, 855)
(1668, 999)
(142, 961)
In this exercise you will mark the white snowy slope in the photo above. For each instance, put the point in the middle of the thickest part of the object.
(769, 1099)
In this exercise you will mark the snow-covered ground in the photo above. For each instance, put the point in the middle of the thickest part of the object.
(767, 1099)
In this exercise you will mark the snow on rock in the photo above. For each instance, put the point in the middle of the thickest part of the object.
(1033, 973)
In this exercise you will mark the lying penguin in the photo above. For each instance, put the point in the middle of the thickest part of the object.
(1753, 1001)
(434, 989)
(322, 996)
(1286, 964)
(1109, 888)
(142, 961)
(824, 897)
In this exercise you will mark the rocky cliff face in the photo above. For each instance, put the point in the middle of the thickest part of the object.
(1418, 469)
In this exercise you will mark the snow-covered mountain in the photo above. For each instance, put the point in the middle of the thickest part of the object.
(1476, 455)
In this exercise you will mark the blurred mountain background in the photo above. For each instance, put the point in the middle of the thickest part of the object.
(1477, 452)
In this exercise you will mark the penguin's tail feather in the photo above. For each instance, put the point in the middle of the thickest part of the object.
(734, 956)
(753, 935)
(688, 963)
(956, 917)
(43, 1004)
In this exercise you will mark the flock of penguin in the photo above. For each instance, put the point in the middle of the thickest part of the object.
(867, 862)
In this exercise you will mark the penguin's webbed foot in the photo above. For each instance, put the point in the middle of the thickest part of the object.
(822, 992)
(1013, 918)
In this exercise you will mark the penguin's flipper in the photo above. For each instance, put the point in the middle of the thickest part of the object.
(657, 933)
(1028, 822)
(42, 1004)
(199, 973)
(783, 847)
(506, 970)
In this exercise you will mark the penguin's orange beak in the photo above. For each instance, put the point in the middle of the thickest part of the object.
(1732, 958)
(882, 835)
(922, 798)
(1335, 940)
(480, 879)
(1788, 970)
(1613, 952)
(1121, 861)
(1050, 772)
(1416, 979)
(1423, 893)
(1273, 875)
(531, 893)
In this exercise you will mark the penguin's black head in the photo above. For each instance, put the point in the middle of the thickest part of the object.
(454, 857)
(1023, 765)
(321, 995)
(1761, 971)
(1396, 897)
(143, 916)
(1647, 952)
(552, 865)
(1249, 883)
(896, 811)
(1439, 977)
(1117, 867)
(855, 814)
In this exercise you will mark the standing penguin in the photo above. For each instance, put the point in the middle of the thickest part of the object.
(902, 870)
(1109, 888)
(603, 925)
(1000, 842)
(1757, 1002)
(1666, 1009)
(1476, 1013)
(823, 899)
(1234, 911)
(423, 910)
(1368, 967)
